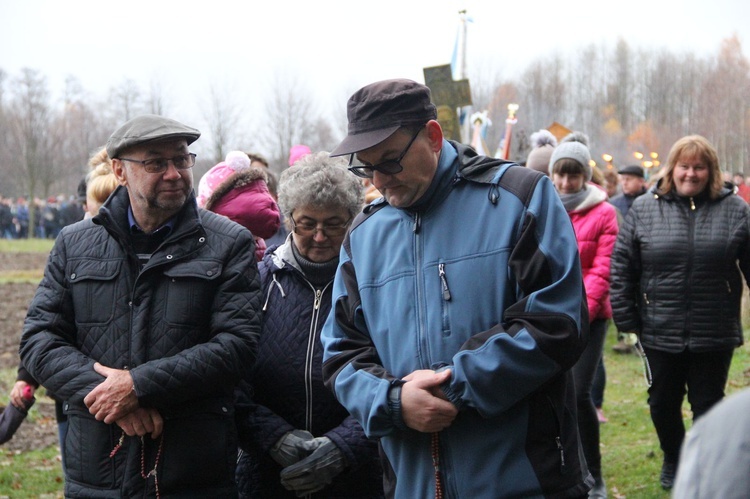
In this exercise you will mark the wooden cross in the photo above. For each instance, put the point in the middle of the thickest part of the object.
(447, 95)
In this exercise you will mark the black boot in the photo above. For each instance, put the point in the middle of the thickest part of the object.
(668, 472)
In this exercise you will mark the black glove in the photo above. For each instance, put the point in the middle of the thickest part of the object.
(316, 471)
(293, 446)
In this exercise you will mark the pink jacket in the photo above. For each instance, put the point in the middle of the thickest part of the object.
(595, 225)
(244, 198)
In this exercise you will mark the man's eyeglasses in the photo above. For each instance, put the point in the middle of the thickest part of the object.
(388, 167)
(307, 228)
(160, 165)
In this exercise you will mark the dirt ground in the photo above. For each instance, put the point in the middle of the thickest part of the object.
(41, 432)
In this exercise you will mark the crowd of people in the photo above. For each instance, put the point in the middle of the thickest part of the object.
(400, 317)
(50, 216)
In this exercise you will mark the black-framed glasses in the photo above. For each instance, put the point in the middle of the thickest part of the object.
(160, 165)
(388, 167)
(309, 228)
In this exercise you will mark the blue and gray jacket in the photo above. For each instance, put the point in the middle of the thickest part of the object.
(485, 279)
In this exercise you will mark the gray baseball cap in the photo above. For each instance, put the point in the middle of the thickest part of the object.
(148, 128)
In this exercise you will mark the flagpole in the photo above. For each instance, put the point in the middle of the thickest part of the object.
(460, 74)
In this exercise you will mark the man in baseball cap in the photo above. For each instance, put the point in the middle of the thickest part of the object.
(458, 310)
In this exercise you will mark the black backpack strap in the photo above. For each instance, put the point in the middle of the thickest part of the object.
(521, 182)
(368, 211)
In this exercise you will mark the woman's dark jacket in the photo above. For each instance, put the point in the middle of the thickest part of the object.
(288, 391)
(186, 327)
(675, 275)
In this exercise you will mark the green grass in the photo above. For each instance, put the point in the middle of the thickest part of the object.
(26, 245)
(631, 458)
(34, 474)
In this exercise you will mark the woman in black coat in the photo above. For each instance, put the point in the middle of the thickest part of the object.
(297, 439)
(676, 283)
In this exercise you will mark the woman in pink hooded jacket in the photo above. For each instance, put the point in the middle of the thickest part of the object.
(239, 191)
(595, 224)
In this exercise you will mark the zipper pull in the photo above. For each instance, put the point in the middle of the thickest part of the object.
(444, 282)
(645, 298)
(692, 204)
(417, 223)
(562, 454)
(318, 294)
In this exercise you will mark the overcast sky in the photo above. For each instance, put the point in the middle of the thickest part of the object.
(335, 46)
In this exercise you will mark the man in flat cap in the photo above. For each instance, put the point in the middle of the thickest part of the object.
(145, 320)
(633, 184)
(458, 311)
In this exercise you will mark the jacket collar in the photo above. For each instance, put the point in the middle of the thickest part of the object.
(113, 215)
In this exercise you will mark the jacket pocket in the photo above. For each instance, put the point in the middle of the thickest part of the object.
(200, 447)
(88, 444)
(190, 291)
(93, 285)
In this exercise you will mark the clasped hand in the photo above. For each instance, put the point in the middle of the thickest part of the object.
(114, 401)
(424, 406)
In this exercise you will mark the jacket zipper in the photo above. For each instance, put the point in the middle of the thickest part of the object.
(417, 223)
(444, 282)
(558, 438)
(310, 356)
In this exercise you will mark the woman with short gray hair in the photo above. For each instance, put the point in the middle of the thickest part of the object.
(297, 438)
(319, 180)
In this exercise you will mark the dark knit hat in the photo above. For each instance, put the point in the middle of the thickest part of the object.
(377, 110)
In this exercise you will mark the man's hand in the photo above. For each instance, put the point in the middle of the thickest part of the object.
(141, 422)
(16, 394)
(423, 404)
(114, 398)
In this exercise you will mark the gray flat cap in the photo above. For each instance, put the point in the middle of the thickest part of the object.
(148, 128)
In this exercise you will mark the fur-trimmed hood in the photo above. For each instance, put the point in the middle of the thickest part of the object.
(244, 198)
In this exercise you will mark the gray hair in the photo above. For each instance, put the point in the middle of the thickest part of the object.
(321, 181)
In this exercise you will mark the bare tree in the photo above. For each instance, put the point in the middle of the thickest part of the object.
(225, 121)
(125, 100)
(28, 120)
(156, 102)
(291, 119)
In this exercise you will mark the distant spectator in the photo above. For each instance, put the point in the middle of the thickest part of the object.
(257, 159)
(542, 145)
(50, 219)
(7, 229)
(71, 211)
(298, 152)
(633, 184)
(743, 190)
(22, 218)
(611, 182)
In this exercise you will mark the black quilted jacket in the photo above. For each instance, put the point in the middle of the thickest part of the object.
(675, 276)
(288, 391)
(186, 327)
